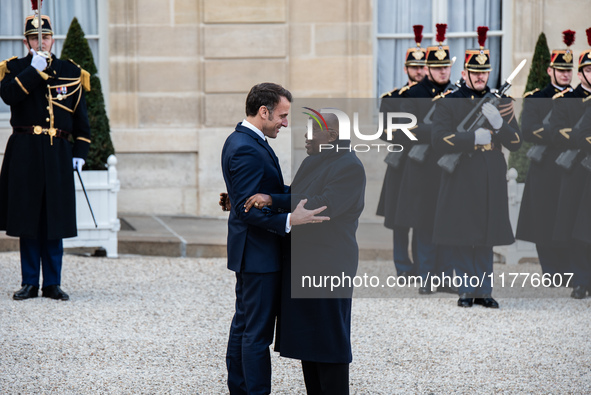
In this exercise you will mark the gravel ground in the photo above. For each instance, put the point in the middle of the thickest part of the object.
(159, 325)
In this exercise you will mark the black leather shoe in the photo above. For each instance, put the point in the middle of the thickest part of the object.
(26, 292)
(465, 301)
(410, 278)
(448, 290)
(55, 292)
(579, 292)
(425, 290)
(487, 302)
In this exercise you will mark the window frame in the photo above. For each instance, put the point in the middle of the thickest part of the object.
(439, 15)
(103, 49)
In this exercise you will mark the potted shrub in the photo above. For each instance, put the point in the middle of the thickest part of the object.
(100, 171)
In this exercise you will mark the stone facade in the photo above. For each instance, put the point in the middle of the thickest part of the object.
(179, 72)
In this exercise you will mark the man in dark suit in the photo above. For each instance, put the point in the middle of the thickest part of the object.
(37, 200)
(472, 212)
(249, 166)
(540, 195)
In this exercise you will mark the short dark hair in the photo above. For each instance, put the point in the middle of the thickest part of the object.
(265, 94)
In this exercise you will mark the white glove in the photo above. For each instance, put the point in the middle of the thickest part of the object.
(482, 136)
(78, 163)
(493, 115)
(39, 62)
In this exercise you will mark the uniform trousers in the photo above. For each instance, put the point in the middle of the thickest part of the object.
(553, 259)
(474, 264)
(402, 261)
(41, 252)
(580, 264)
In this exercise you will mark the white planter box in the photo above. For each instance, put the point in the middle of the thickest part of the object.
(520, 249)
(102, 188)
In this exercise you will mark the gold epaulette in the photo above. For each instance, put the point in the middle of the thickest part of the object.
(526, 94)
(442, 95)
(84, 77)
(4, 67)
(562, 93)
(407, 87)
(388, 94)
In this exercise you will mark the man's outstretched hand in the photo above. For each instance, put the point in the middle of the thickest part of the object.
(225, 202)
(301, 215)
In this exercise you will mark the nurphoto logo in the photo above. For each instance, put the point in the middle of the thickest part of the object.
(392, 123)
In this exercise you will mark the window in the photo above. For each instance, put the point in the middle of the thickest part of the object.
(90, 14)
(394, 34)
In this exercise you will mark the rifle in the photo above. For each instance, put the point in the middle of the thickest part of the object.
(475, 119)
(418, 152)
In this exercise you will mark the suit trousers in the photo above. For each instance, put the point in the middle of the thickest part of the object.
(326, 378)
(248, 358)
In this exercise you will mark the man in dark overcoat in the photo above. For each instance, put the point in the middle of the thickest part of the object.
(539, 203)
(566, 114)
(314, 325)
(414, 67)
(37, 201)
(472, 212)
(417, 198)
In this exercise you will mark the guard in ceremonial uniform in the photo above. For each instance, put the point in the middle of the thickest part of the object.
(582, 228)
(566, 114)
(414, 67)
(472, 212)
(417, 199)
(540, 196)
(51, 137)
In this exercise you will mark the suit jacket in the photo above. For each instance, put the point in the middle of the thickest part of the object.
(250, 166)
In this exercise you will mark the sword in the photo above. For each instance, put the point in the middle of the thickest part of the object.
(86, 196)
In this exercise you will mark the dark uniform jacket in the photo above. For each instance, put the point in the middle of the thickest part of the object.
(319, 329)
(472, 208)
(540, 196)
(393, 177)
(566, 113)
(37, 169)
(582, 230)
(417, 198)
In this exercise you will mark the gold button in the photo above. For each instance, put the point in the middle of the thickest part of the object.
(46, 119)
